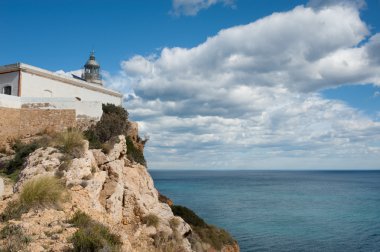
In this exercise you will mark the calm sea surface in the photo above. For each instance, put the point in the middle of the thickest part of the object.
(284, 210)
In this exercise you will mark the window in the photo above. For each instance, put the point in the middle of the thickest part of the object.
(7, 90)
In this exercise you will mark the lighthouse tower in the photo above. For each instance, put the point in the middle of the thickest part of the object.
(92, 70)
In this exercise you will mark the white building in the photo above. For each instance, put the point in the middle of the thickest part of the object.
(23, 85)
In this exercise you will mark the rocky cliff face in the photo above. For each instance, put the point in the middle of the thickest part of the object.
(112, 190)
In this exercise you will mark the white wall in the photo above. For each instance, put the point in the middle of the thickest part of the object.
(9, 79)
(10, 101)
(36, 86)
(91, 109)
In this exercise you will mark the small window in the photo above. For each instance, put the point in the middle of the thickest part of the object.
(78, 99)
(7, 90)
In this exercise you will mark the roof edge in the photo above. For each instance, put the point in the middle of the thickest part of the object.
(51, 75)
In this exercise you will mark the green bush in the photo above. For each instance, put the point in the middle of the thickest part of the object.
(80, 219)
(14, 210)
(92, 138)
(113, 122)
(188, 215)
(14, 238)
(151, 220)
(133, 153)
(216, 237)
(92, 236)
(21, 152)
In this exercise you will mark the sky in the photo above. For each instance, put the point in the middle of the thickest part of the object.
(222, 84)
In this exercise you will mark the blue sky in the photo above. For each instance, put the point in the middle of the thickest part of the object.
(223, 84)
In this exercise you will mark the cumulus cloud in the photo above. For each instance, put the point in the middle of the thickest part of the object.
(192, 7)
(358, 4)
(248, 97)
(70, 73)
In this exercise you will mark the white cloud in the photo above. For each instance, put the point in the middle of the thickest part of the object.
(317, 4)
(192, 7)
(70, 73)
(248, 97)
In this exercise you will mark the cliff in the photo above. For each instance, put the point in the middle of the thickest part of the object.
(95, 200)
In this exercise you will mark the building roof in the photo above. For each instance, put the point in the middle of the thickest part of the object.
(54, 76)
(91, 62)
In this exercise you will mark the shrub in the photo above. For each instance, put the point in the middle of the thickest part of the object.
(21, 152)
(188, 215)
(133, 153)
(80, 219)
(14, 238)
(92, 138)
(174, 223)
(151, 220)
(107, 147)
(42, 192)
(14, 210)
(71, 142)
(92, 236)
(216, 237)
(165, 243)
(113, 122)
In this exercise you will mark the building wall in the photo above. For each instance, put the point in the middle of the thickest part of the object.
(10, 101)
(33, 85)
(16, 123)
(9, 79)
(84, 109)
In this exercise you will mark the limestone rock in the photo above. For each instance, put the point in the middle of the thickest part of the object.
(2, 188)
(119, 149)
(44, 161)
(108, 187)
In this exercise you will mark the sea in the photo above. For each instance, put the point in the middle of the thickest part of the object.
(283, 210)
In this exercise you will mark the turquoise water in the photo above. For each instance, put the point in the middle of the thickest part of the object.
(284, 210)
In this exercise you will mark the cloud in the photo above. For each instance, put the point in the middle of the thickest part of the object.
(248, 97)
(192, 7)
(70, 73)
(317, 4)
(376, 94)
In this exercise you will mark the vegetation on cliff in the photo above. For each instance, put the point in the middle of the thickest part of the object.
(40, 192)
(69, 197)
(114, 122)
(70, 142)
(22, 150)
(212, 235)
(92, 235)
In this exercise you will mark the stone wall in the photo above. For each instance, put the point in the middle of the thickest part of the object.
(16, 123)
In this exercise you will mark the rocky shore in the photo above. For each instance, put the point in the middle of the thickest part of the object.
(115, 192)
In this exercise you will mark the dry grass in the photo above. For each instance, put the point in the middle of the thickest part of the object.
(42, 192)
(151, 220)
(70, 142)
